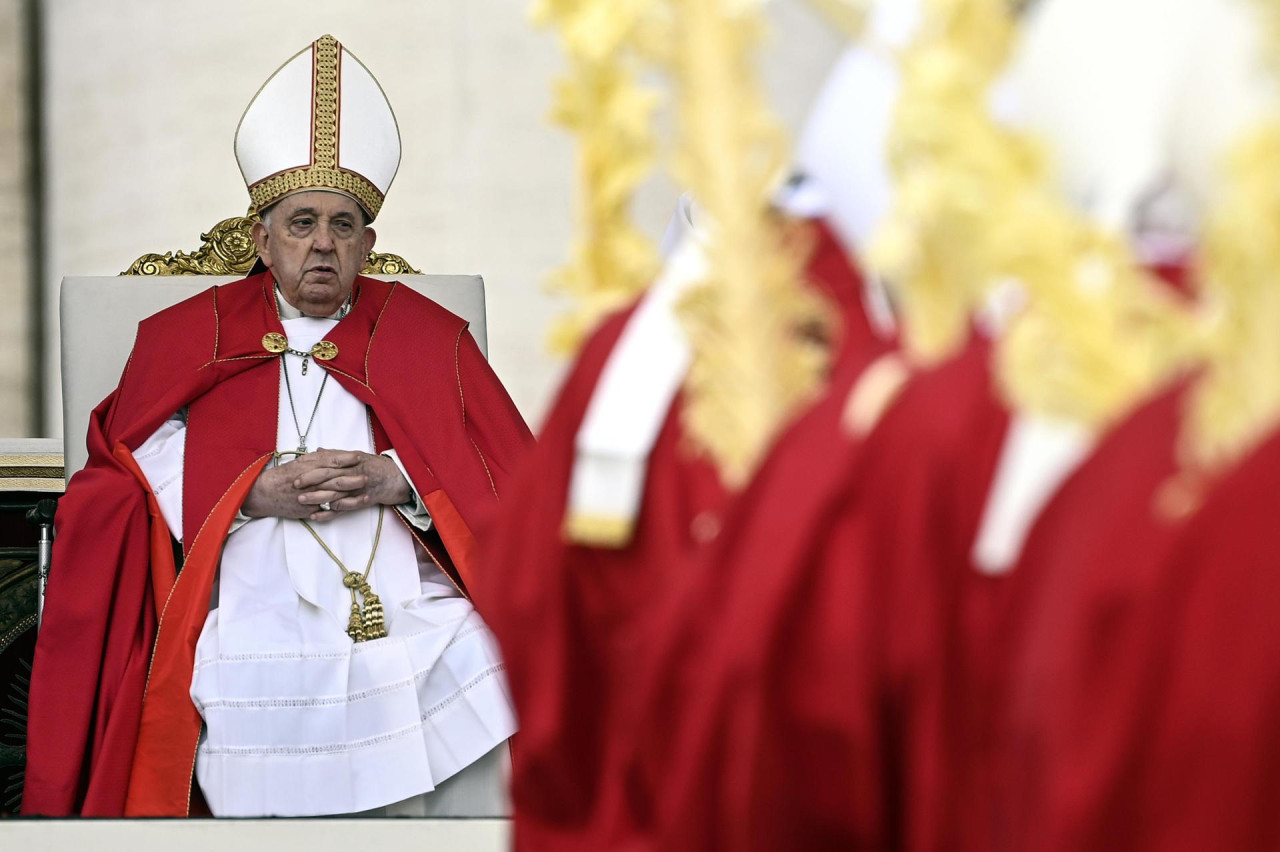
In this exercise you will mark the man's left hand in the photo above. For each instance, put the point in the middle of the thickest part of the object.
(349, 480)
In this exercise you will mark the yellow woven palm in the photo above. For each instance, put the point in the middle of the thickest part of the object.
(1237, 401)
(601, 101)
(848, 16)
(976, 207)
(750, 369)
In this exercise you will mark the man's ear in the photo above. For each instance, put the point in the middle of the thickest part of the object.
(370, 237)
(260, 240)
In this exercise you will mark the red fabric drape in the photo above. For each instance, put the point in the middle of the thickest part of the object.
(579, 626)
(431, 396)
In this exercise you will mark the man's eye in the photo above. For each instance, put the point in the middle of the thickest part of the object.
(342, 227)
(301, 224)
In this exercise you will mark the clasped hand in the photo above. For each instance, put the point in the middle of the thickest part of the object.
(345, 479)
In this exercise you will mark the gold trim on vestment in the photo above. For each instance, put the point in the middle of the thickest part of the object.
(596, 530)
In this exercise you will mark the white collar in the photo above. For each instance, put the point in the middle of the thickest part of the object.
(629, 405)
(288, 311)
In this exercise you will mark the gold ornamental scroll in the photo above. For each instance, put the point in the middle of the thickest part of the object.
(751, 368)
(228, 249)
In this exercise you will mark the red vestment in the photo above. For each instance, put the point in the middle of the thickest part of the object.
(934, 465)
(1142, 676)
(834, 681)
(810, 706)
(576, 623)
(113, 730)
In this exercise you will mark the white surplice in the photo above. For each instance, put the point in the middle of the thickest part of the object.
(299, 720)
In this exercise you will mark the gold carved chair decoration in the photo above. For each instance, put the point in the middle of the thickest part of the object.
(228, 249)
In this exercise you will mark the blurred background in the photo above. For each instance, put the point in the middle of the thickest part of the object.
(116, 125)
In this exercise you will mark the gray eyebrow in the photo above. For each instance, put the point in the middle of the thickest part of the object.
(311, 211)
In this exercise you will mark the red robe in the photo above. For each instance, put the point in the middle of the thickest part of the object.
(937, 455)
(1143, 681)
(113, 730)
(576, 624)
(807, 704)
(1211, 762)
(746, 741)
(834, 680)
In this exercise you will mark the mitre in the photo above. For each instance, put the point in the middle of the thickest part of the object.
(320, 122)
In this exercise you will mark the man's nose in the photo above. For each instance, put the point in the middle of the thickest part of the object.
(324, 239)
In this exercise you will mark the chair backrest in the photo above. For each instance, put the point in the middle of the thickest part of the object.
(100, 315)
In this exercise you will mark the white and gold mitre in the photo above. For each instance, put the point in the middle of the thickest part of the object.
(319, 122)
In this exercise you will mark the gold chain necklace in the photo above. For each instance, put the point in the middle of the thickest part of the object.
(366, 621)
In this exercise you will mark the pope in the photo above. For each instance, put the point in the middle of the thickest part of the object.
(261, 593)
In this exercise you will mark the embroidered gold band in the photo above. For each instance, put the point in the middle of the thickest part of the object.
(324, 101)
(271, 190)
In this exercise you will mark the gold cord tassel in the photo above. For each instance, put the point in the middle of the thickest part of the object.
(355, 624)
(375, 627)
(368, 621)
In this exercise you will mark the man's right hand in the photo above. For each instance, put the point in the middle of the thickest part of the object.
(274, 494)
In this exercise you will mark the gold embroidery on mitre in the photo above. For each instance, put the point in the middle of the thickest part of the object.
(324, 103)
(324, 171)
(268, 191)
(274, 342)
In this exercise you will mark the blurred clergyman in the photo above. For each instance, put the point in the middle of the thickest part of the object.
(288, 624)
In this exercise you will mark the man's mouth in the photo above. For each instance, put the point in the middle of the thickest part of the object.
(323, 269)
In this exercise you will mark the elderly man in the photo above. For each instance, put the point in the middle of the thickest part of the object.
(234, 602)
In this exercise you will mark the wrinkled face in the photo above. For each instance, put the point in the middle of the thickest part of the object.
(314, 243)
